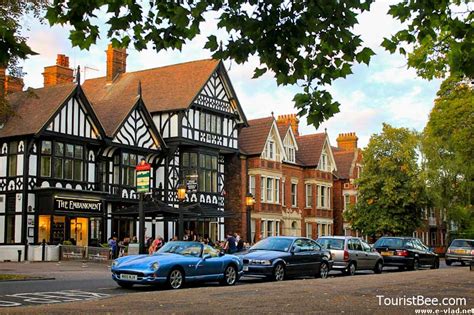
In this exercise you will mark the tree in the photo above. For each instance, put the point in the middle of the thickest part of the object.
(448, 147)
(391, 194)
(13, 46)
(441, 34)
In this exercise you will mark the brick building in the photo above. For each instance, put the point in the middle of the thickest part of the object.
(290, 177)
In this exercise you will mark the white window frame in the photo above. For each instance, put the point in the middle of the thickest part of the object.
(276, 188)
(283, 193)
(309, 230)
(347, 201)
(295, 197)
(269, 190)
(262, 188)
(252, 185)
(308, 195)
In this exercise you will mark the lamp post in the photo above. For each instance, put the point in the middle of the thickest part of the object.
(249, 201)
(181, 195)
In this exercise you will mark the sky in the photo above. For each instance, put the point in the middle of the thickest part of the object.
(383, 92)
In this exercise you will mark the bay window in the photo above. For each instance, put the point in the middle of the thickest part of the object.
(202, 165)
(270, 189)
(252, 185)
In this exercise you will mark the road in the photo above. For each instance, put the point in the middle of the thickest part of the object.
(75, 281)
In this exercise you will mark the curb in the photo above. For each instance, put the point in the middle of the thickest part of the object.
(27, 279)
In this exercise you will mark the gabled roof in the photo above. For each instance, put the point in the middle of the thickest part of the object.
(344, 161)
(283, 129)
(166, 88)
(310, 148)
(252, 139)
(34, 108)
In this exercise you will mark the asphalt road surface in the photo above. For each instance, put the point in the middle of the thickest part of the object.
(77, 283)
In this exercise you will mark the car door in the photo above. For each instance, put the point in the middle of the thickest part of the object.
(370, 256)
(311, 257)
(296, 259)
(355, 252)
(427, 257)
(211, 265)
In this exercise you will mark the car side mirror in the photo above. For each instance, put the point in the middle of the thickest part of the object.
(206, 256)
(296, 249)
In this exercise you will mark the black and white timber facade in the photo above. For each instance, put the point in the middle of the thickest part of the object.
(68, 155)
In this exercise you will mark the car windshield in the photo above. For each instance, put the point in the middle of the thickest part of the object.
(182, 248)
(390, 242)
(331, 243)
(277, 244)
(463, 243)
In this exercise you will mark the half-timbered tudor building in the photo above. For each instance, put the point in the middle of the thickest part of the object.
(65, 163)
(290, 177)
(196, 111)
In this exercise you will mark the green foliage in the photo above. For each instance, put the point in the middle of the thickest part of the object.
(310, 43)
(448, 147)
(441, 34)
(391, 193)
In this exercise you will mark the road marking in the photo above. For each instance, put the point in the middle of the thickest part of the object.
(50, 297)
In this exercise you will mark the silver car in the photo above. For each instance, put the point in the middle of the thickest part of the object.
(460, 250)
(351, 253)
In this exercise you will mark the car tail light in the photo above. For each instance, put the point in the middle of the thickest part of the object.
(346, 255)
(403, 253)
(472, 252)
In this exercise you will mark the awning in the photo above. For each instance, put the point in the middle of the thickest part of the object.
(158, 208)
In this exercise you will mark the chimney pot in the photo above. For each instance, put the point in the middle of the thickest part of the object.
(347, 141)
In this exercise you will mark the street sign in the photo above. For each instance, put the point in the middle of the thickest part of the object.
(143, 177)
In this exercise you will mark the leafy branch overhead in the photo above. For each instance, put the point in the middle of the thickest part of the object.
(309, 43)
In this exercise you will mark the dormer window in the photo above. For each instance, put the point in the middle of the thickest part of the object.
(290, 149)
(271, 151)
(323, 165)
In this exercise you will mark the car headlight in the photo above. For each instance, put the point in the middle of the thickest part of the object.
(154, 266)
(115, 263)
(261, 262)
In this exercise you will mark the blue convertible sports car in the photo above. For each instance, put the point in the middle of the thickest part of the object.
(176, 263)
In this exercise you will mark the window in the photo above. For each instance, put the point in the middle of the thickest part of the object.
(62, 161)
(277, 191)
(290, 154)
(270, 189)
(293, 195)
(283, 193)
(207, 170)
(347, 202)
(10, 220)
(271, 150)
(129, 162)
(323, 165)
(262, 188)
(270, 228)
(324, 197)
(252, 185)
(210, 123)
(309, 195)
(309, 230)
(12, 158)
(46, 152)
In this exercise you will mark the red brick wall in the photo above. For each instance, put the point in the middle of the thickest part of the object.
(236, 189)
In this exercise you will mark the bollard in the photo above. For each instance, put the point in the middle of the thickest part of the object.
(43, 250)
(471, 267)
(19, 255)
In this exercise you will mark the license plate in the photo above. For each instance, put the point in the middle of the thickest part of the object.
(386, 253)
(459, 251)
(246, 268)
(125, 276)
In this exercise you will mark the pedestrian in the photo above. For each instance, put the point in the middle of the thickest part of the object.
(230, 245)
(113, 246)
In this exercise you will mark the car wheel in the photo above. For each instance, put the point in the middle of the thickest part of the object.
(351, 269)
(435, 264)
(125, 285)
(416, 265)
(463, 263)
(279, 272)
(401, 268)
(323, 270)
(378, 267)
(448, 262)
(175, 279)
(230, 276)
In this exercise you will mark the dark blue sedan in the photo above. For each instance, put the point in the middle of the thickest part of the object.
(281, 257)
(176, 263)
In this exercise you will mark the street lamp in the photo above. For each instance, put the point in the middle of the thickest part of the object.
(249, 202)
(181, 195)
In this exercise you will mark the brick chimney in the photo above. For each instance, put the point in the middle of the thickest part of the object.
(347, 141)
(291, 119)
(59, 73)
(116, 62)
(9, 84)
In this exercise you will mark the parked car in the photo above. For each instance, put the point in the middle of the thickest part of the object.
(176, 263)
(406, 253)
(460, 250)
(280, 257)
(351, 254)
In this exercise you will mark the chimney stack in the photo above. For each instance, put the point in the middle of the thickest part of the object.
(116, 62)
(9, 84)
(59, 73)
(347, 141)
(291, 119)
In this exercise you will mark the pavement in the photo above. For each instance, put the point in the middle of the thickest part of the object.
(89, 289)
